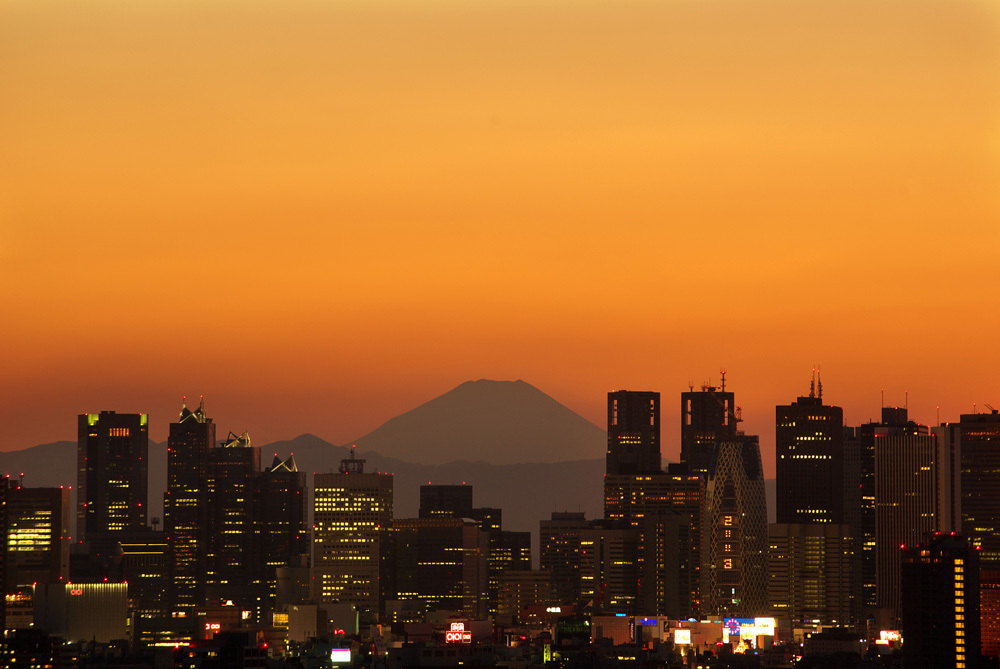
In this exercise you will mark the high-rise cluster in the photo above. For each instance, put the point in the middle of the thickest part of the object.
(881, 527)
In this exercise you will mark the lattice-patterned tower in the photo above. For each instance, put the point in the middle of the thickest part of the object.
(734, 578)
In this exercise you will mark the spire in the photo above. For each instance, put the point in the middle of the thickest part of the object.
(185, 412)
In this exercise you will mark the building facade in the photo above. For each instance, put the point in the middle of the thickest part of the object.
(112, 457)
(733, 578)
(185, 506)
(708, 416)
(352, 515)
(809, 471)
(811, 574)
(940, 603)
(633, 432)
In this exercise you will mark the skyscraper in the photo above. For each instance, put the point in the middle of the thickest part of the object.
(940, 603)
(352, 516)
(38, 536)
(111, 472)
(734, 579)
(279, 522)
(979, 446)
(811, 573)
(633, 432)
(908, 474)
(708, 417)
(185, 506)
(809, 473)
(233, 551)
(559, 549)
(442, 562)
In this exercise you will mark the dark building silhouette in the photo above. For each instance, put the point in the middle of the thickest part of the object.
(633, 432)
(609, 570)
(143, 564)
(859, 448)
(809, 472)
(279, 523)
(507, 550)
(185, 506)
(671, 502)
(4, 485)
(979, 446)
(913, 477)
(111, 473)
(450, 501)
(559, 553)
(233, 551)
(811, 571)
(708, 417)
(940, 604)
(989, 611)
(441, 562)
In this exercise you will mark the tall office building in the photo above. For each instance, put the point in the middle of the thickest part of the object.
(940, 603)
(809, 473)
(859, 449)
(280, 515)
(559, 553)
(507, 550)
(111, 472)
(811, 574)
(442, 563)
(352, 516)
(185, 506)
(708, 417)
(979, 448)
(733, 578)
(674, 502)
(609, 572)
(37, 537)
(909, 470)
(233, 551)
(989, 611)
(633, 432)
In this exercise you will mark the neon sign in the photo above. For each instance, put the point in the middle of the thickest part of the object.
(457, 634)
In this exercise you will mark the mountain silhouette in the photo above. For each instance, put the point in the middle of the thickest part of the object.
(498, 422)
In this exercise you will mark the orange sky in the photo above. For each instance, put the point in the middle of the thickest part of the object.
(321, 214)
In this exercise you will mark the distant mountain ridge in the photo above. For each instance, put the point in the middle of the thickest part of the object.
(500, 422)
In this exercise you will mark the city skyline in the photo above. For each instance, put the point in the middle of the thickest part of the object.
(320, 216)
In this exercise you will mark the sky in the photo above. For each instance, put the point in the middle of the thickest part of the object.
(319, 215)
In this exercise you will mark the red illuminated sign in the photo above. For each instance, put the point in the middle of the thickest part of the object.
(76, 591)
(457, 634)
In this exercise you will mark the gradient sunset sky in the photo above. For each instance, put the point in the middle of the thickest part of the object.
(322, 214)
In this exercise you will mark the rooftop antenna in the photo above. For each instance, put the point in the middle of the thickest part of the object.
(812, 384)
(939, 415)
(723, 372)
(906, 400)
(883, 398)
(691, 386)
(819, 382)
(201, 403)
